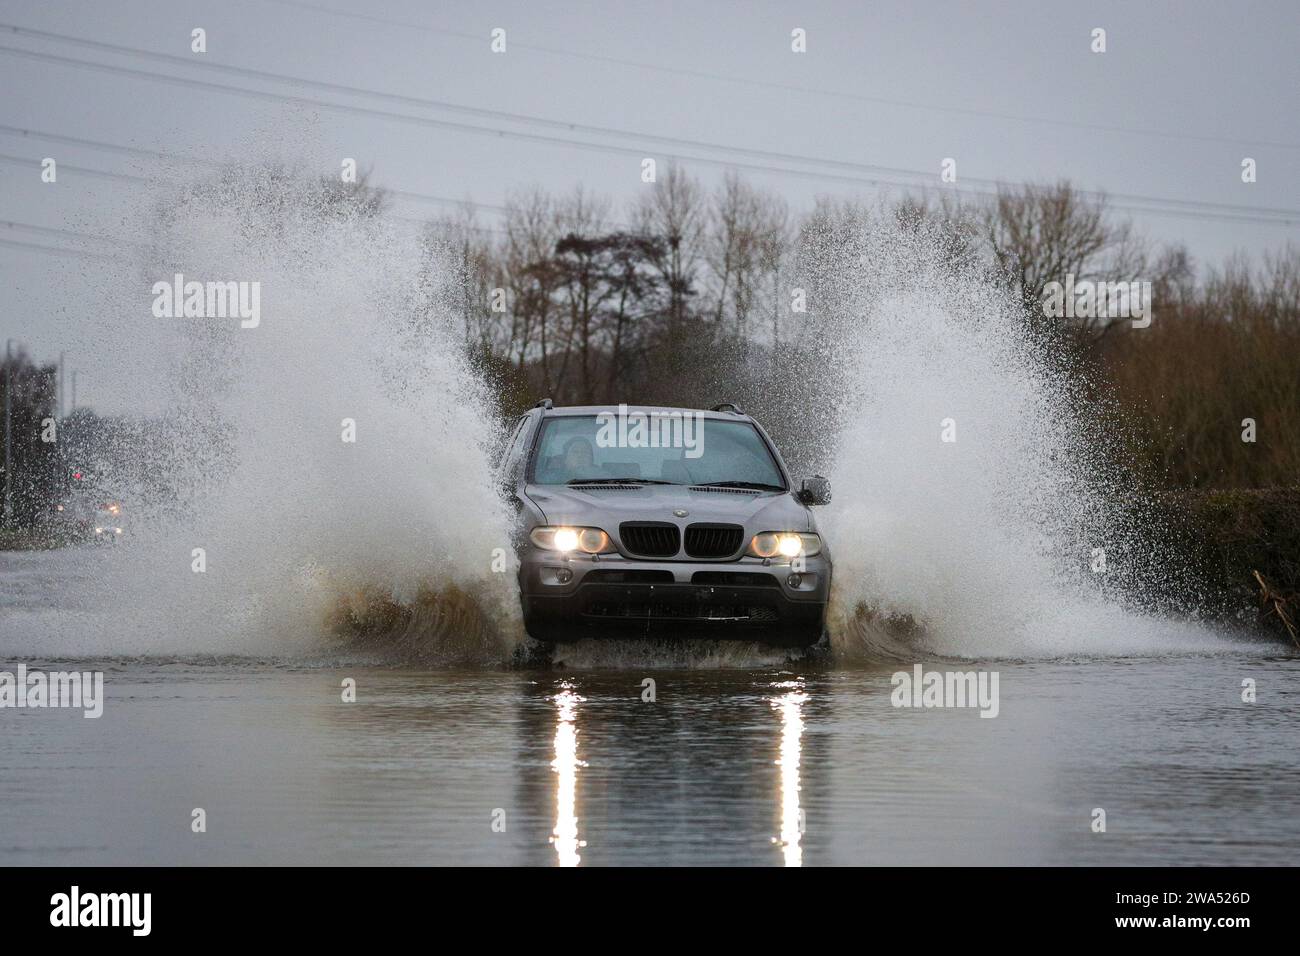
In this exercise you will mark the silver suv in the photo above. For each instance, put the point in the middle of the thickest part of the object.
(645, 521)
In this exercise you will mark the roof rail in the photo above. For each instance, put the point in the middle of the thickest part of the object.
(727, 407)
(545, 403)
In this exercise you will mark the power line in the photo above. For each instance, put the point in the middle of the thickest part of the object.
(114, 240)
(128, 177)
(423, 103)
(55, 231)
(793, 88)
(54, 250)
(1130, 202)
(81, 236)
(323, 104)
(264, 95)
(770, 155)
(213, 164)
(144, 180)
(24, 161)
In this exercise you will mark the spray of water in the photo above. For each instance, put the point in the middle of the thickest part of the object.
(976, 492)
(330, 463)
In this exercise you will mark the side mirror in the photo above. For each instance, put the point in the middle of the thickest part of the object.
(508, 489)
(814, 491)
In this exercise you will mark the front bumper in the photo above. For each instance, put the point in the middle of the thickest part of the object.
(568, 597)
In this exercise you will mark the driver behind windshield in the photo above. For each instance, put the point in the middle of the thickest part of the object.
(579, 459)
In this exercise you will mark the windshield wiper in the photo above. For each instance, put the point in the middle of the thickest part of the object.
(618, 481)
(738, 484)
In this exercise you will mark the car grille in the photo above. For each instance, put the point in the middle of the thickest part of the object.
(650, 539)
(665, 611)
(631, 577)
(742, 579)
(713, 540)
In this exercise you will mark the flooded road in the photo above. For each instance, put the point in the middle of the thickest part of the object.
(763, 763)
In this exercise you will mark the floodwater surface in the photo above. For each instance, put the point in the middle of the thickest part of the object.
(739, 760)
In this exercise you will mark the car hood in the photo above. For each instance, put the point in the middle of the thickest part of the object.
(613, 504)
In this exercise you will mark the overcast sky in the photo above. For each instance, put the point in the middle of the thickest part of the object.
(886, 91)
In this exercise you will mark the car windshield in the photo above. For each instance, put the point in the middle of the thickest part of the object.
(578, 448)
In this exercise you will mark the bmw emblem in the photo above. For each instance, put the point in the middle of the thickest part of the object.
(680, 513)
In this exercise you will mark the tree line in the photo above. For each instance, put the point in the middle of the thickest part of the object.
(688, 295)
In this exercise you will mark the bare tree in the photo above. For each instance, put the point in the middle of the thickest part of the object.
(532, 229)
(1042, 234)
(582, 219)
(743, 246)
(672, 210)
(461, 242)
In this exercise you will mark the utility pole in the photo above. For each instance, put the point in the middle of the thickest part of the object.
(74, 389)
(61, 354)
(9, 402)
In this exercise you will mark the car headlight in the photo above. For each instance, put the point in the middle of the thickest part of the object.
(586, 540)
(787, 544)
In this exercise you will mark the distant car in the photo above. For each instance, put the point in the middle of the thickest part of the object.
(108, 521)
(617, 539)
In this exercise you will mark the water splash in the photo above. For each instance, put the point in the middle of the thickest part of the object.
(975, 486)
(305, 536)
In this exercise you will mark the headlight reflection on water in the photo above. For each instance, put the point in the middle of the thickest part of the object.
(790, 706)
(566, 763)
